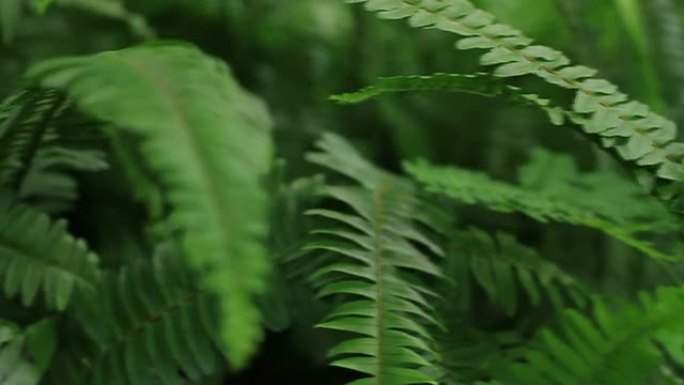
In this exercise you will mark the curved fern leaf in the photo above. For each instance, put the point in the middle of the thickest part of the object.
(37, 256)
(26, 354)
(148, 323)
(503, 268)
(478, 84)
(612, 347)
(374, 264)
(476, 188)
(637, 134)
(208, 141)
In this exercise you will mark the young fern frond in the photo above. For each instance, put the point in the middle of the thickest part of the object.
(39, 256)
(149, 323)
(208, 141)
(503, 268)
(26, 354)
(631, 129)
(374, 263)
(472, 187)
(611, 347)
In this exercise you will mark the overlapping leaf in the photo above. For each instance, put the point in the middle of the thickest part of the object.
(631, 129)
(208, 142)
(149, 323)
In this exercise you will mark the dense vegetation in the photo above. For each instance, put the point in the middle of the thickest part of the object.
(259, 191)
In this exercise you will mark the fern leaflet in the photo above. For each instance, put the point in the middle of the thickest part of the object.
(26, 354)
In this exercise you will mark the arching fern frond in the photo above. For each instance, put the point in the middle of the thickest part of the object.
(478, 84)
(503, 268)
(26, 354)
(637, 134)
(149, 323)
(38, 256)
(208, 141)
(477, 188)
(373, 262)
(614, 346)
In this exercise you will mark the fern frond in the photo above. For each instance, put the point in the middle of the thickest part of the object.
(145, 324)
(37, 255)
(42, 143)
(631, 129)
(478, 84)
(26, 354)
(611, 347)
(374, 264)
(503, 268)
(208, 141)
(607, 194)
(477, 188)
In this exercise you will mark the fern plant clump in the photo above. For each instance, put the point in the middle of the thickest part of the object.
(189, 193)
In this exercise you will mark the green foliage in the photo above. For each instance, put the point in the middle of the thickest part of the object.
(198, 132)
(477, 84)
(38, 256)
(44, 142)
(26, 354)
(637, 134)
(371, 258)
(503, 268)
(472, 187)
(145, 324)
(613, 347)
(529, 257)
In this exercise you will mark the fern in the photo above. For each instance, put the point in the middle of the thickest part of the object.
(43, 143)
(372, 257)
(477, 84)
(39, 256)
(617, 347)
(606, 194)
(26, 354)
(208, 141)
(503, 267)
(145, 324)
(476, 188)
(638, 135)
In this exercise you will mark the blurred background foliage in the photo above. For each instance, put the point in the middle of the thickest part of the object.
(296, 53)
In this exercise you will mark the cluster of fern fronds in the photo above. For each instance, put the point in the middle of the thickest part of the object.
(153, 232)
